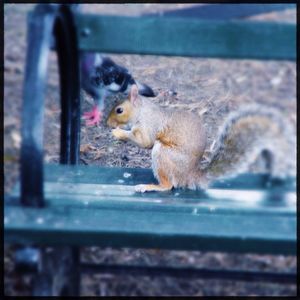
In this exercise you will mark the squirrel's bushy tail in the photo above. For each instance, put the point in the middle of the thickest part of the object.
(252, 133)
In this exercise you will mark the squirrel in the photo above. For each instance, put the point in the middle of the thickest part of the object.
(178, 141)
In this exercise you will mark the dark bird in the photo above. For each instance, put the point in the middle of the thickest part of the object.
(100, 77)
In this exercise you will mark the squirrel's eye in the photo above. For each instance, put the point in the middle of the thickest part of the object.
(119, 110)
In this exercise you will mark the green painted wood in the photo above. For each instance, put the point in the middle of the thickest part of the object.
(223, 12)
(113, 187)
(61, 225)
(110, 214)
(130, 176)
(115, 196)
(187, 37)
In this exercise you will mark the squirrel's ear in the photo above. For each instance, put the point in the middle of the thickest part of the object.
(134, 92)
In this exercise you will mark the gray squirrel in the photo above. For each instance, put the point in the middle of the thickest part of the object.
(178, 141)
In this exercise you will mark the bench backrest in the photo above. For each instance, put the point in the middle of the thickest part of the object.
(75, 31)
(186, 37)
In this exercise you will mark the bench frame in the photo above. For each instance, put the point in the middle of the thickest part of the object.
(62, 264)
(44, 23)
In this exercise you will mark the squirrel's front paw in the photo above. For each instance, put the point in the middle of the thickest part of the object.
(119, 133)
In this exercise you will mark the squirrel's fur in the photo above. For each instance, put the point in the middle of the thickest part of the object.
(178, 141)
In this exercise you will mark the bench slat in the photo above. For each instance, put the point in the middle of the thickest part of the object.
(129, 176)
(112, 214)
(219, 201)
(187, 37)
(150, 229)
(107, 187)
(223, 12)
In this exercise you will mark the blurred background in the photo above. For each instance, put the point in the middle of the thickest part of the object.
(211, 87)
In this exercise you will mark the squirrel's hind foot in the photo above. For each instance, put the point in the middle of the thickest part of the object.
(142, 188)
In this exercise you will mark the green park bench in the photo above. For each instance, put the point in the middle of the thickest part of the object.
(56, 208)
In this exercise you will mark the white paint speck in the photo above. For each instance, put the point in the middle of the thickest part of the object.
(212, 208)
(126, 175)
(121, 181)
(195, 211)
(40, 220)
(177, 194)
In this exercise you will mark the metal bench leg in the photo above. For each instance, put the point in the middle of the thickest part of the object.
(58, 273)
(68, 60)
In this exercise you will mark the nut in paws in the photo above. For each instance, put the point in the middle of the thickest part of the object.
(118, 133)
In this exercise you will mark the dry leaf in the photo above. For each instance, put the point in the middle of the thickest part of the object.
(87, 147)
(99, 154)
(84, 148)
(93, 148)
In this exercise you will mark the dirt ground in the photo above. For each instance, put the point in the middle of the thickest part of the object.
(212, 87)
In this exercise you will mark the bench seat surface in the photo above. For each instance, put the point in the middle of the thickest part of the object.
(89, 205)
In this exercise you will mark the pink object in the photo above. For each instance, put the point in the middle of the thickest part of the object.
(93, 117)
